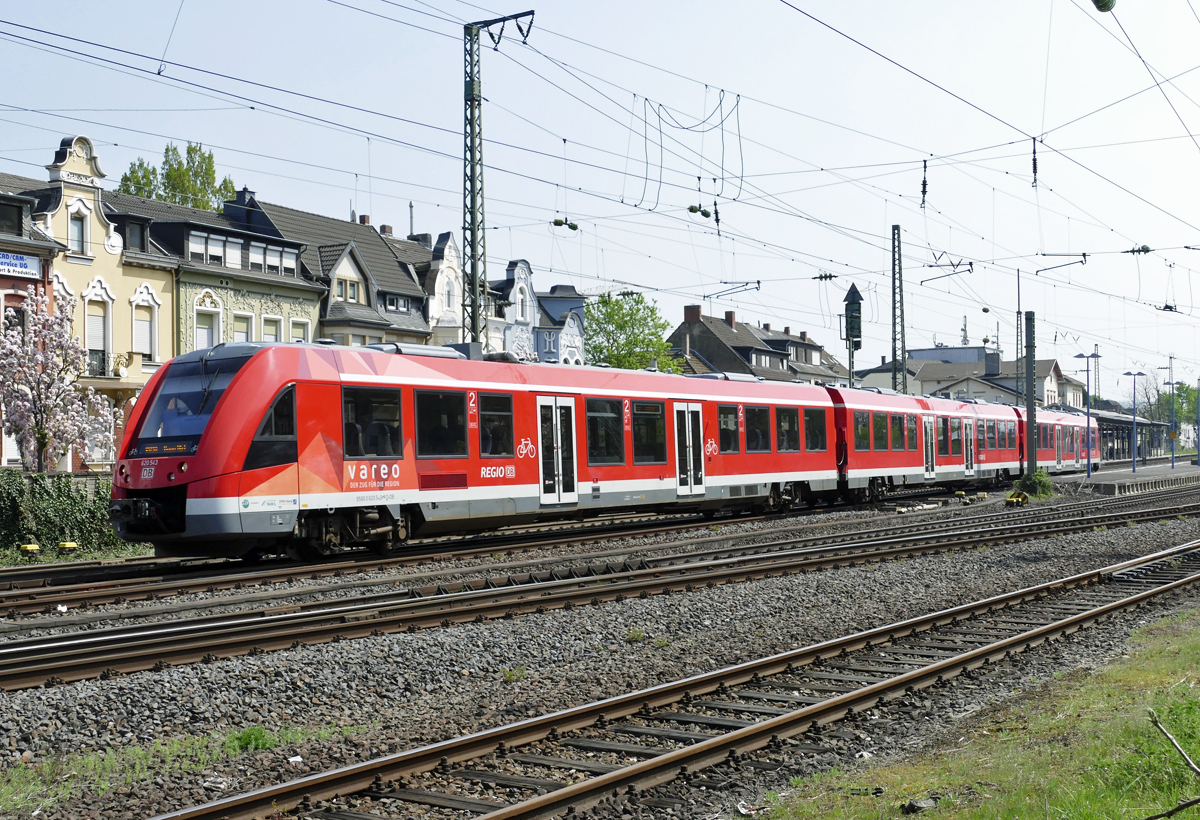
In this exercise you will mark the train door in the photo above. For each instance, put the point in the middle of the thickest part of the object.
(1057, 432)
(930, 447)
(969, 447)
(689, 449)
(1077, 432)
(556, 458)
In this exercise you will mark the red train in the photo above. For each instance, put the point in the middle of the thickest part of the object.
(249, 448)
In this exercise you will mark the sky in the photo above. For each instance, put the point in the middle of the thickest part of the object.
(812, 125)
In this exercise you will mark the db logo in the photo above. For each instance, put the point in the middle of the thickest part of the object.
(147, 473)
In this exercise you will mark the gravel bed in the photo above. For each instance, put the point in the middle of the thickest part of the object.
(353, 583)
(409, 689)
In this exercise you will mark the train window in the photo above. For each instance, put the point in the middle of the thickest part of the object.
(787, 430)
(956, 437)
(371, 423)
(980, 436)
(758, 429)
(649, 433)
(605, 431)
(897, 431)
(275, 442)
(441, 424)
(814, 431)
(1012, 434)
(911, 424)
(991, 434)
(879, 426)
(943, 436)
(495, 425)
(727, 428)
(862, 430)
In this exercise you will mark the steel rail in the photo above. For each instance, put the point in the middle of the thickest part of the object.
(360, 776)
(76, 656)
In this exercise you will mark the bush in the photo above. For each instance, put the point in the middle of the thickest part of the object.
(47, 509)
(252, 738)
(1036, 485)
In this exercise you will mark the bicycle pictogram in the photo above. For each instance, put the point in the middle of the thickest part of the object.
(526, 449)
(711, 447)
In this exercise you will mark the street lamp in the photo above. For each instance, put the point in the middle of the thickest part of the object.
(1135, 441)
(1088, 357)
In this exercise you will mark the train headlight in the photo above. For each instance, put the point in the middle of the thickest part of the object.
(121, 470)
(183, 467)
(170, 476)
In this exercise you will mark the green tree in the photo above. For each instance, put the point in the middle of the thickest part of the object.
(626, 330)
(183, 179)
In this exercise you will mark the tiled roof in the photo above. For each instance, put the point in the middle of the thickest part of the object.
(340, 311)
(329, 256)
(160, 211)
(14, 184)
(408, 251)
(390, 274)
(743, 336)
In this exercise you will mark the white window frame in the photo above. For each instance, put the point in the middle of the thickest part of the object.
(201, 239)
(262, 328)
(260, 250)
(99, 291)
(307, 330)
(80, 209)
(250, 319)
(276, 255)
(233, 253)
(291, 259)
(218, 312)
(145, 296)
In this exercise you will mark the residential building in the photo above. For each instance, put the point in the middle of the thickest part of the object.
(559, 332)
(978, 373)
(438, 267)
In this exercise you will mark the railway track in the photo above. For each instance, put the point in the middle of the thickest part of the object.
(236, 576)
(700, 731)
(120, 650)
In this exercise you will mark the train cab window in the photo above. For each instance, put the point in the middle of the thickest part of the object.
(758, 429)
(441, 424)
(495, 425)
(897, 431)
(879, 427)
(911, 424)
(862, 430)
(727, 429)
(275, 442)
(814, 431)
(605, 431)
(991, 434)
(943, 425)
(787, 429)
(371, 423)
(649, 433)
(956, 437)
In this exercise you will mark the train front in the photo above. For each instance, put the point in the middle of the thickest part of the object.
(167, 485)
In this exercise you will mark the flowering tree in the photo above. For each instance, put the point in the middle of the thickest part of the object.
(40, 363)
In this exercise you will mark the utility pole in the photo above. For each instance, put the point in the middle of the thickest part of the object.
(899, 348)
(474, 244)
(1031, 429)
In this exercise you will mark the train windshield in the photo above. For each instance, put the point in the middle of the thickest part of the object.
(183, 405)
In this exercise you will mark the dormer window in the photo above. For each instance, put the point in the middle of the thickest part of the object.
(214, 250)
(135, 236)
(397, 304)
(10, 219)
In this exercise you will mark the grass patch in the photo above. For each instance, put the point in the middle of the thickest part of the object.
(513, 675)
(1083, 748)
(58, 781)
(635, 635)
(1036, 485)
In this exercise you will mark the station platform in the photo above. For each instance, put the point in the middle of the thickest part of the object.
(1122, 480)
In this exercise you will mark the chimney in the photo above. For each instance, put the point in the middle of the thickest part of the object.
(787, 331)
(804, 335)
(731, 319)
(882, 360)
(386, 230)
(363, 219)
(767, 327)
(424, 239)
(687, 345)
(691, 313)
(244, 196)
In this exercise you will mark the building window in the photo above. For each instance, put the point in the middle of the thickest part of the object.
(448, 297)
(270, 332)
(206, 324)
(97, 331)
(233, 253)
(371, 423)
(257, 257)
(241, 329)
(352, 291)
(397, 304)
(605, 431)
(196, 245)
(143, 329)
(495, 425)
(441, 424)
(787, 429)
(758, 429)
(135, 236)
(729, 439)
(341, 290)
(75, 235)
(649, 433)
(289, 263)
(862, 431)
(216, 250)
(299, 332)
(814, 431)
(10, 219)
(274, 259)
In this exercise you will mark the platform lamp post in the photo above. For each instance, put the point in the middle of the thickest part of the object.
(1135, 441)
(1087, 357)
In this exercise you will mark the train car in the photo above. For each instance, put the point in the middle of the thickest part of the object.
(997, 441)
(1062, 441)
(249, 448)
(881, 444)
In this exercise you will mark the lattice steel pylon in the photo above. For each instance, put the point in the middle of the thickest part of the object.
(474, 241)
(899, 348)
